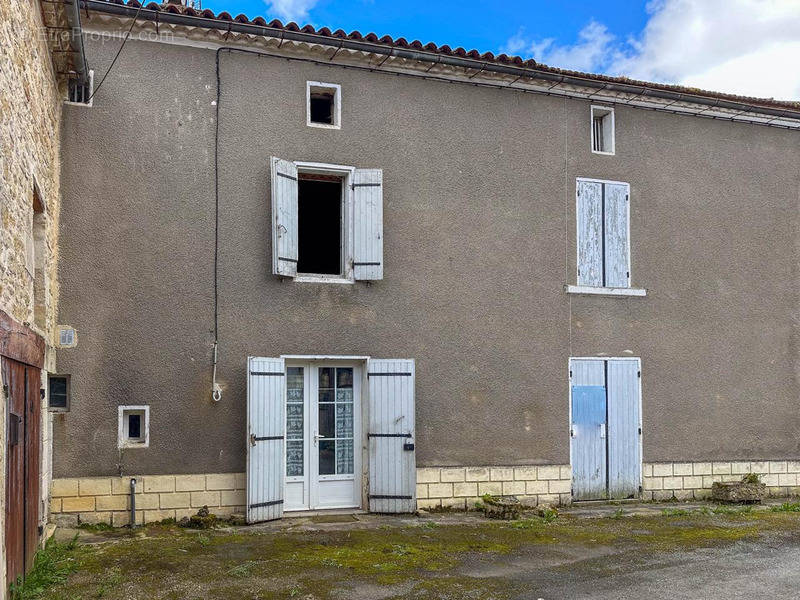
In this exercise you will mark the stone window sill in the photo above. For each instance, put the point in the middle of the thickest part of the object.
(589, 290)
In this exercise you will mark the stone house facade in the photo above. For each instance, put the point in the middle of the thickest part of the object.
(573, 268)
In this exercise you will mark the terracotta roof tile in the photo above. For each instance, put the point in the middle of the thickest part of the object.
(447, 50)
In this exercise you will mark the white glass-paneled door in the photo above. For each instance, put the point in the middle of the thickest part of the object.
(323, 436)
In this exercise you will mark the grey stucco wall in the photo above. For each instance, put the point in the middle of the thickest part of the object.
(479, 242)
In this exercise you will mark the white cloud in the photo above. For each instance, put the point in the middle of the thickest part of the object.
(749, 47)
(290, 10)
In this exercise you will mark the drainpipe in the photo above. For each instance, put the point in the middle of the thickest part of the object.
(76, 41)
(133, 502)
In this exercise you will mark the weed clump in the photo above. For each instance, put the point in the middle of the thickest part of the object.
(53, 565)
(787, 507)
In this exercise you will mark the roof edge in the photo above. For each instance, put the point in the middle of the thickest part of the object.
(529, 69)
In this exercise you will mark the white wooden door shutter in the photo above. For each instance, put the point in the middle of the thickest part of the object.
(617, 248)
(590, 233)
(284, 217)
(392, 461)
(368, 224)
(266, 393)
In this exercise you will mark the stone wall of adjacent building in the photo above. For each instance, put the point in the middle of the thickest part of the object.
(30, 123)
(693, 480)
(30, 128)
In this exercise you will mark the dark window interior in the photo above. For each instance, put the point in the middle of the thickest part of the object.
(58, 386)
(322, 107)
(319, 221)
(134, 426)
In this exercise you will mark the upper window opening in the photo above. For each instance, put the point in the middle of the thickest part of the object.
(58, 392)
(324, 104)
(81, 93)
(319, 222)
(322, 107)
(602, 130)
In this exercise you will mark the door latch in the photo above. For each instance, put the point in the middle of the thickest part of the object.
(602, 431)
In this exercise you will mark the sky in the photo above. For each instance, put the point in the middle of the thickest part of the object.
(747, 47)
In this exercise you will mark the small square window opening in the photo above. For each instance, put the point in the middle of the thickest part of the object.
(603, 130)
(58, 389)
(134, 427)
(319, 222)
(80, 94)
(323, 105)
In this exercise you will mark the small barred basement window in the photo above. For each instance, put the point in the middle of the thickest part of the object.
(602, 130)
(58, 392)
(81, 93)
(324, 104)
(134, 427)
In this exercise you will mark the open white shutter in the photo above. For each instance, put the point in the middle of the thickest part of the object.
(617, 248)
(266, 393)
(590, 233)
(392, 461)
(284, 217)
(368, 224)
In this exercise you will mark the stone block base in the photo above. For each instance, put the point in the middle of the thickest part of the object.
(461, 488)
(107, 499)
(693, 480)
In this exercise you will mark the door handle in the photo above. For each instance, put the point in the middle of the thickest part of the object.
(317, 437)
(602, 430)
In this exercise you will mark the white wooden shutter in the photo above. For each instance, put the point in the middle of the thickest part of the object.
(368, 224)
(266, 393)
(590, 233)
(284, 217)
(392, 461)
(617, 246)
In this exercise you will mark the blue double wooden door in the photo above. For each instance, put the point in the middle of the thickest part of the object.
(605, 428)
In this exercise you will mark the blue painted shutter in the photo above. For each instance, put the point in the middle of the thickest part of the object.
(624, 463)
(617, 244)
(392, 462)
(588, 429)
(266, 400)
(284, 217)
(590, 233)
(368, 224)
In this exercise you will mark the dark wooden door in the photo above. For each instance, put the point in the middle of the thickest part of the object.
(22, 384)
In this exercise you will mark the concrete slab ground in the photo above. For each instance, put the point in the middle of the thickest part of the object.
(675, 550)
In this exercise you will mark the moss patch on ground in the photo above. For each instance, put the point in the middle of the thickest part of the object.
(423, 561)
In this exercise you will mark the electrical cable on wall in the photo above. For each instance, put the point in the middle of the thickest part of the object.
(116, 56)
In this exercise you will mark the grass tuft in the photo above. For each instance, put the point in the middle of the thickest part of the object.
(787, 507)
(53, 565)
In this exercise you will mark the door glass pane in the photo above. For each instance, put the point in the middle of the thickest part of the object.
(294, 458)
(344, 378)
(344, 456)
(295, 422)
(326, 378)
(344, 420)
(326, 457)
(326, 420)
(336, 423)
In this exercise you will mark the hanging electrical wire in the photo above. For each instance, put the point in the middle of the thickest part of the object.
(113, 62)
